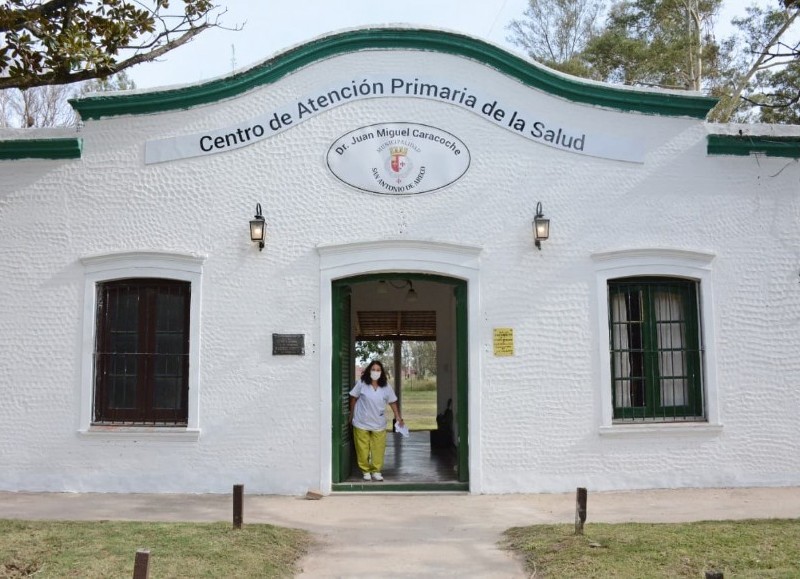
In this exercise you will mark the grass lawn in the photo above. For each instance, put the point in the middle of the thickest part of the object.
(752, 549)
(419, 409)
(108, 549)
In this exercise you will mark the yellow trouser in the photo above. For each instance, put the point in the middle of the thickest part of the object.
(370, 448)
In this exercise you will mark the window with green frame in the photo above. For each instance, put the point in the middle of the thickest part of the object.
(656, 352)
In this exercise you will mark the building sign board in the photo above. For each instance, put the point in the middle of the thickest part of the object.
(288, 344)
(398, 158)
(503, 341)
(511, 115)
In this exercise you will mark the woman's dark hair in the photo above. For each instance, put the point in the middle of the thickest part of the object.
(366, 379)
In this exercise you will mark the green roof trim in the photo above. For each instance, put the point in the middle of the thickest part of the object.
(41, 149)
(744, 145)
(270, 71)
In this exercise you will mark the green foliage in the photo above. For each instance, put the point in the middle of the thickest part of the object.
(419, 358)
(671, 44)
(575, 66)
(758, 75)
(780, 104)
(61, 42)
(666, 43)
(375, 350)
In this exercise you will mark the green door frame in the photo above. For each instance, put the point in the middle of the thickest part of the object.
(340, 309)
(342, 374)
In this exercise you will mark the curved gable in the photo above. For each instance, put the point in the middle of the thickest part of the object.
(534, 76)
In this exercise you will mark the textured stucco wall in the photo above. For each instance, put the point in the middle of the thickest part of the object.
(260, 414)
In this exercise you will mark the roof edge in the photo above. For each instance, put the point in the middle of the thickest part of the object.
(70, 148)
(745, 145)
(272, 70)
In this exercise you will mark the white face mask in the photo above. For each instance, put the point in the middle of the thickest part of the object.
(375, 375)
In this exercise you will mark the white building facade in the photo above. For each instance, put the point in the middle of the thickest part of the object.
(148, 345)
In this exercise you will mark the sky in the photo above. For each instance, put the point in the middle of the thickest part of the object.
(271, 26)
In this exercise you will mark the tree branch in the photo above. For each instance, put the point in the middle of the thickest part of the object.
(792, 101)
(724, 110)
(66, 41)
(59, 77)
(18, 18)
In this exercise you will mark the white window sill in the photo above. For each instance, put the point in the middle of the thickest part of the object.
(155, 433)
(661, 429)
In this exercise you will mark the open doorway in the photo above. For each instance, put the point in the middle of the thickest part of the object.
(411, 366)
(416, 325)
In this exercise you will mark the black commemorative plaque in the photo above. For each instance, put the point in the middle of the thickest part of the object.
(288, 344)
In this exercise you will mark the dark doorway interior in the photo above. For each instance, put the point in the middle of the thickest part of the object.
(376, 307)
(412, 461)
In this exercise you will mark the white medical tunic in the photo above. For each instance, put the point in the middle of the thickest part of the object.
(370, 410)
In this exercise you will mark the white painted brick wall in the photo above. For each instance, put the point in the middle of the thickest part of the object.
(260, 414)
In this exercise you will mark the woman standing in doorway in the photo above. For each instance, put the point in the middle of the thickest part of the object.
(368, 400)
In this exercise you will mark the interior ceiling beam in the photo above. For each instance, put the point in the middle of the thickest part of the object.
(395, 324)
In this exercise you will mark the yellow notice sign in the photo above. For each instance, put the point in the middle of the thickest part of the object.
(504, 341)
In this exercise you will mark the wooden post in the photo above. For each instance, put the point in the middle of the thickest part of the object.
(141, 565)
(238, 499)
(714, 575)
(580, 510)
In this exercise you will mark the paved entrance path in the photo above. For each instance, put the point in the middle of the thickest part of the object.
(415, 535)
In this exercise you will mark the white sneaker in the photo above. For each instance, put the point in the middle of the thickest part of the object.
(377, 476)
(367, 476)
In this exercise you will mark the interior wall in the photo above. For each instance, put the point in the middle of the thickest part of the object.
(446, 362)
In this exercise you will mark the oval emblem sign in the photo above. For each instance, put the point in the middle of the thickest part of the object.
(398, 158)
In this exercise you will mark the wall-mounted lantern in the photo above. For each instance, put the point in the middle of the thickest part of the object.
(258, 228)
(541, 227)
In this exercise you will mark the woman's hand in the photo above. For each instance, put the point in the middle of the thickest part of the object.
(396, 409)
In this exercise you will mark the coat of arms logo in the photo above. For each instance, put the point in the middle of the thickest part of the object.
(399, 165)
(398, 158)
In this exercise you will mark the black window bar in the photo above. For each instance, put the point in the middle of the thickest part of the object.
(142, 352)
